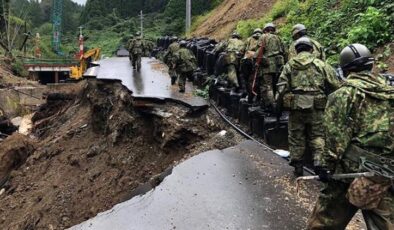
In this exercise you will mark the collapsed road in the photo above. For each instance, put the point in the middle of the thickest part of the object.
(104, 146)
(242, 187)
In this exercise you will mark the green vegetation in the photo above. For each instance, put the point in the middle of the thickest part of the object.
(109, 23)
(334, 23)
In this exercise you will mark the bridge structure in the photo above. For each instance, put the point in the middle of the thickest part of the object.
(49, 70)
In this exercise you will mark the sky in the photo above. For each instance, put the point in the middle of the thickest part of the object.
(80, 1)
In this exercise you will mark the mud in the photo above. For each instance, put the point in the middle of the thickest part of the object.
(93, 147)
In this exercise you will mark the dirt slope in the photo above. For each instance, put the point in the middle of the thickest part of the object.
(92, 148)
(224, 18)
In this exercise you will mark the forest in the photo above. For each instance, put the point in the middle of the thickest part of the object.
(106, 23)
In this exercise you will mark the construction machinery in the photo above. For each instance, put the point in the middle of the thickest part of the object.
(85, 62)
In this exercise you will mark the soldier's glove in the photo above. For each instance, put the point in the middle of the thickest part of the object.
(324, 174)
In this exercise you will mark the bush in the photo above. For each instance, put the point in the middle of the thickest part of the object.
(333, 23)
(18, 69)
(371, 29)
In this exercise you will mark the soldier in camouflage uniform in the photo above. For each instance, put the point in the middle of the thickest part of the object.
(235, 49)
(303, 88)
(136, 48)
(186, 63)
(359, 123)
(170, 59)
(246, 67)
(273, 59)
(131, 39)
(300, 31)
(252, 43)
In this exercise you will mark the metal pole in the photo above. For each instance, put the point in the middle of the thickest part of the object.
(142, 24)
(188, 15)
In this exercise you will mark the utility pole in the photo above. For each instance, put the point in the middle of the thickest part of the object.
(81, 42)
(188, 15)
(142, 24)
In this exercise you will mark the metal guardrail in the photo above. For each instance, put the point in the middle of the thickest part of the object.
(51, 62)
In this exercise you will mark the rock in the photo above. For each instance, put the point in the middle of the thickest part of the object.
(93, 151)
(26, 125)
(16, 121)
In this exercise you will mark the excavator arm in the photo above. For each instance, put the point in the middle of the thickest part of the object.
(88, 57)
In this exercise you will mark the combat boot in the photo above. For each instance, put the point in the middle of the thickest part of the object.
(298, 168)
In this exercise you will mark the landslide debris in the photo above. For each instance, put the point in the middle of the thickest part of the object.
(223, 21)
(91, 148)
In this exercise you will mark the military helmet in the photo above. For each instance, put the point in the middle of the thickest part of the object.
(235, 34)
(356, 57)
(138, 33)
(305, 41)
(258, 31)
(269, 26)
(183, 43)
(299, 30)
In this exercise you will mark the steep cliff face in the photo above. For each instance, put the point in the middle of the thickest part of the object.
(223, 20)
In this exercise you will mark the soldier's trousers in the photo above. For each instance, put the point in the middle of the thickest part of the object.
(232, 75)
(267, 88)
(182, 79)
(173, 75)
(305, 127)
(136, 60)
(333, 211)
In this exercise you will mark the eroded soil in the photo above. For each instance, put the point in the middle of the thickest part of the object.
(90, 148)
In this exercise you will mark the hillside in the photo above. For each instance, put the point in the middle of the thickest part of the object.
(224, 19)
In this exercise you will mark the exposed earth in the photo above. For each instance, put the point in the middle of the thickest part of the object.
(223, 21)
(89, 149)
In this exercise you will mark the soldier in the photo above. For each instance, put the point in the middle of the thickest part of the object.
(136, 49)
(186, 63)
(170, 59)
(359, 125)
(273, 57)
(303, 88)
(252, 43)
(300, 31)
(131, 38)
(235, 49)
(246, 67)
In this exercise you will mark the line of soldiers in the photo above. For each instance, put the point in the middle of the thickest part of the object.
(181, 63)
(345, 124)
(137, 47)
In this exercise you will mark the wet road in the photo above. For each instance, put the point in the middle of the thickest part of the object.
(152, 82)
(237, 188)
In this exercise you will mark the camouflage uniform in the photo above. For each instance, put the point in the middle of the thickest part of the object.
(170, 60)
(129, 42)
(274, 57)
(186, 63)
(318, 50)
(235, 48)
(136, 49)
(149, 45)
(359, 122)
(303, 87)
(252, 45)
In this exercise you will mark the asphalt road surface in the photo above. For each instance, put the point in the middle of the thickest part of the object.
(152, 81)
(236, 188)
